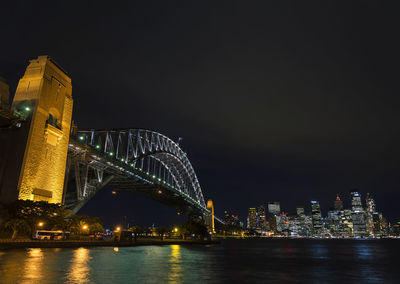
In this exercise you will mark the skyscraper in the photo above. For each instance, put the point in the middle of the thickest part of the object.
(274, 208)
(262, 218)
(371, 208)
(274, 211)
(358, 215)
(338, 204)
(356, 204)
(300, 211)
(252, 218)
(316, 217)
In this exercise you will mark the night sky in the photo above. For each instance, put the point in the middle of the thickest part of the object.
(286, 101)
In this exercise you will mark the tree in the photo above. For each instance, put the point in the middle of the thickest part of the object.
(193, 228)
(96, 228)
(17, 226)
(161, 231)
(53, 216)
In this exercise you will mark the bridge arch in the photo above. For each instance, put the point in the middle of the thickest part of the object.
(133, 160)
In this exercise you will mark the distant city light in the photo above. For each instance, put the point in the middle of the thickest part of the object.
(27, 108)
(81, 137)
(159, 191)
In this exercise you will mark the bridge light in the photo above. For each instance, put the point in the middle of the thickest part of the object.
(81, 137)
(154, 176)
(122, 160)
(159, 179)
(97, 146)
(111, 154)
(132, 165)
(159, 191)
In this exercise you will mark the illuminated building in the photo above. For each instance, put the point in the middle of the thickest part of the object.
(370, 210)
(371, 207)
(300, 211)
(333, 221)
(338, 204)
(358, 215)
(274, 208)
(274, 211)
(346, 224)
(282, 223)
(272, 219)
(359, 224)
(356, 204)
(316, 218)
(395, 230)
(252, 218)
(262, 218)
(232, 220)
(43, 97)
(376, 224)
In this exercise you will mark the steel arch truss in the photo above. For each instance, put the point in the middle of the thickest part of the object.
(131, 159)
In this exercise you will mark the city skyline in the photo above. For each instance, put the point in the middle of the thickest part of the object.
(360, 220)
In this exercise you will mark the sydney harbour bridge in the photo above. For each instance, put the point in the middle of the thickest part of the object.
(137, 160)
(55, 161)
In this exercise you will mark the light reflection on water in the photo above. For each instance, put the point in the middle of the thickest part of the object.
(233, 261)
(79, 271)
(175, 269)
(33, 270)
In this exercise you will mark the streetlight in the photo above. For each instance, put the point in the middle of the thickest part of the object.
(118, 229)
(84, 227)
(40, 224)
(176, 230)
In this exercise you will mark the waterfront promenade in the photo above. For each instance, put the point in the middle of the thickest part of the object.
(24, 243)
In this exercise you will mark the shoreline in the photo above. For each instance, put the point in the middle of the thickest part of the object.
(96, 243)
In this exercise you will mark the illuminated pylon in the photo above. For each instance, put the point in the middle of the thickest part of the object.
(210, 223)
(44, 99)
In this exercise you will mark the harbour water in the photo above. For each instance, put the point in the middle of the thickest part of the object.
(232, 261)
